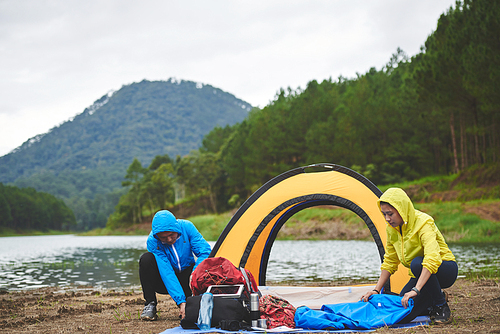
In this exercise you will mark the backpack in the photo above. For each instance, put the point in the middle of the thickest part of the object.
(220, 271)
(225, 310)
(277, 311)
(228, 313)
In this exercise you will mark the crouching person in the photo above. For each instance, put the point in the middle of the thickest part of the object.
(415, 241)
(167, 266)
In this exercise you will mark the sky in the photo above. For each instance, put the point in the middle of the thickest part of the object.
(59, 56)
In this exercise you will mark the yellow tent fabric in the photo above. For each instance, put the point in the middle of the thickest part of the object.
(247, 239)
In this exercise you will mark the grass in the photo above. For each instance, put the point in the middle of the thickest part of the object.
(142, 229)
(323, 214)
(8, 232)
(119, 316)
(454, 223)
(211, 226)
(490, 272)
(459, 226)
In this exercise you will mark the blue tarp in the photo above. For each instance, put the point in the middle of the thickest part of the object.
(379, 311)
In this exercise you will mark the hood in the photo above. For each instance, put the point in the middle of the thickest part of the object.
(400, 201)
(163, 221)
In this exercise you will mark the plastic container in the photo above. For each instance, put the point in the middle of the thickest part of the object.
(205, 314)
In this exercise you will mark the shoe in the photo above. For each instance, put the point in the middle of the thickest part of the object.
(149, 312)
(441, 314)
(446, 296)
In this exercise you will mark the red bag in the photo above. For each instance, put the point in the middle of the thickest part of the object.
(277, 311)
(220, 271)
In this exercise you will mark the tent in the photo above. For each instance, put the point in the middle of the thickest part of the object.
(248, 237)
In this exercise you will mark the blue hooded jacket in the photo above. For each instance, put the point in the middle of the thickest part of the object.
(175, 258)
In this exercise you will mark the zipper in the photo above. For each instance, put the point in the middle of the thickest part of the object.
(178, 261)
(402, 245)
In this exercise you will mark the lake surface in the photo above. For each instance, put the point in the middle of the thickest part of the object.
(112, 261)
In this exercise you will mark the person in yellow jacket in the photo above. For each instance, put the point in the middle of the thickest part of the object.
(415, 241)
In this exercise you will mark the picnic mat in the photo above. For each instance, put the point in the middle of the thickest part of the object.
(419, 321)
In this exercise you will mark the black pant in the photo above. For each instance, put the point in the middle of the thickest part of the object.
(431, 294)
(151, 281)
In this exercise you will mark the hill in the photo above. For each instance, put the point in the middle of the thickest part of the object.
(88, 155)
(140, 120)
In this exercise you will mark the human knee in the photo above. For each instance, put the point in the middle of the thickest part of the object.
(447, 274)
(146, 259)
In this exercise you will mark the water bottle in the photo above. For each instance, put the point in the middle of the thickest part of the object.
(254, 309)
(205, 314)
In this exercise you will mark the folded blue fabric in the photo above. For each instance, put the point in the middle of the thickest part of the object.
(380, 310)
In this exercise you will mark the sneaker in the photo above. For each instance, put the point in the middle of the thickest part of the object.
(149, 312)
(446, 296)
(441, 314)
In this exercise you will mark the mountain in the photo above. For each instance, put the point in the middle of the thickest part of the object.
(140, 120)
(84, 160)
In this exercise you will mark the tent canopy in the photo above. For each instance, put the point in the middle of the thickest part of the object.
(248, 237)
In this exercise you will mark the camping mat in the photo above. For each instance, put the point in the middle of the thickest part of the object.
(315, 297)
(423, 320)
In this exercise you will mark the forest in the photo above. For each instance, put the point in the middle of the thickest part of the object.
(436, 113)
(27, 209)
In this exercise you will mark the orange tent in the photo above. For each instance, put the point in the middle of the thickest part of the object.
(248, 237)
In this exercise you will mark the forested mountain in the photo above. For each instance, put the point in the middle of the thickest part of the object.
(88, 156)
(140, 121)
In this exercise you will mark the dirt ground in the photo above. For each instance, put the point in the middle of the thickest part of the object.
(475, 305)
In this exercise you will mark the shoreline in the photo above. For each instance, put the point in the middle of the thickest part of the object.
(475, 304)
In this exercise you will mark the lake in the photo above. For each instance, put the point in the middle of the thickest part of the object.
(111, 262)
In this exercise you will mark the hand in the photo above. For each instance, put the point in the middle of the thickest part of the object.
(408, 295)
(367, 295)
(182, 310)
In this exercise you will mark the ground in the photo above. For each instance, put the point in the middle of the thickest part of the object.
(475, 305)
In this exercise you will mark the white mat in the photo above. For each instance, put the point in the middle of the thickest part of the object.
(315, 297)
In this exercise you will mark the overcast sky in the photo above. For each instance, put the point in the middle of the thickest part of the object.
(59, 56)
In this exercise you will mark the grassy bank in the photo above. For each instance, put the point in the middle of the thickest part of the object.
(8, 232)
(459, 222)
(464, 222)
(466, 208)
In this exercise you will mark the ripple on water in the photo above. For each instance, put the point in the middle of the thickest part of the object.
(111, 262)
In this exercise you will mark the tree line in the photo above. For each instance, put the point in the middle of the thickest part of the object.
(434, 113)
(27, 209)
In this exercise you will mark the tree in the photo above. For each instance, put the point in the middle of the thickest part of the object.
(133, 178)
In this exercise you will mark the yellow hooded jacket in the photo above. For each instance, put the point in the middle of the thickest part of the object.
(419, 236)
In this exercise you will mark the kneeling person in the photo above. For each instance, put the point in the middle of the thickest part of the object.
(167, 266)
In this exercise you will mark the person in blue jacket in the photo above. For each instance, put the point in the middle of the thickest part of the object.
(167, 266)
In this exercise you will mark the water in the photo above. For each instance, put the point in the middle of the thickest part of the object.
(112, 261)
(323, 260)
(63, 260)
